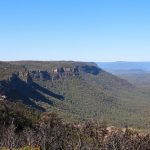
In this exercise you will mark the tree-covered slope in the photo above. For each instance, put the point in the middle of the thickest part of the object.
(77, 90)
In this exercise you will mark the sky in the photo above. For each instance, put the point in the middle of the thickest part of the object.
(79, 30)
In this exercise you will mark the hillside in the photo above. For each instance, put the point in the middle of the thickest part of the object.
(141, 80)
(76, 90)
(137, 73)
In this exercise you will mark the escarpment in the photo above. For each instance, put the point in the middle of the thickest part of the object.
(55, 73)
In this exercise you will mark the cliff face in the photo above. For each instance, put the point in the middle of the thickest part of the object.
(57, 73)
(42, 75)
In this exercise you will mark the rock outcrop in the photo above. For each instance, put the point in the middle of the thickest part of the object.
(53, 74)
(41, 75)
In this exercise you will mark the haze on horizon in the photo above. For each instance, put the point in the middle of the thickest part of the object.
(99, 30)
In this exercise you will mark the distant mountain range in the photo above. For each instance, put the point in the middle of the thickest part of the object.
(125, 67)
(76, 90)
(137, 73)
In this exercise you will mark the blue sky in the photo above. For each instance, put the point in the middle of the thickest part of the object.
(85, 30)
